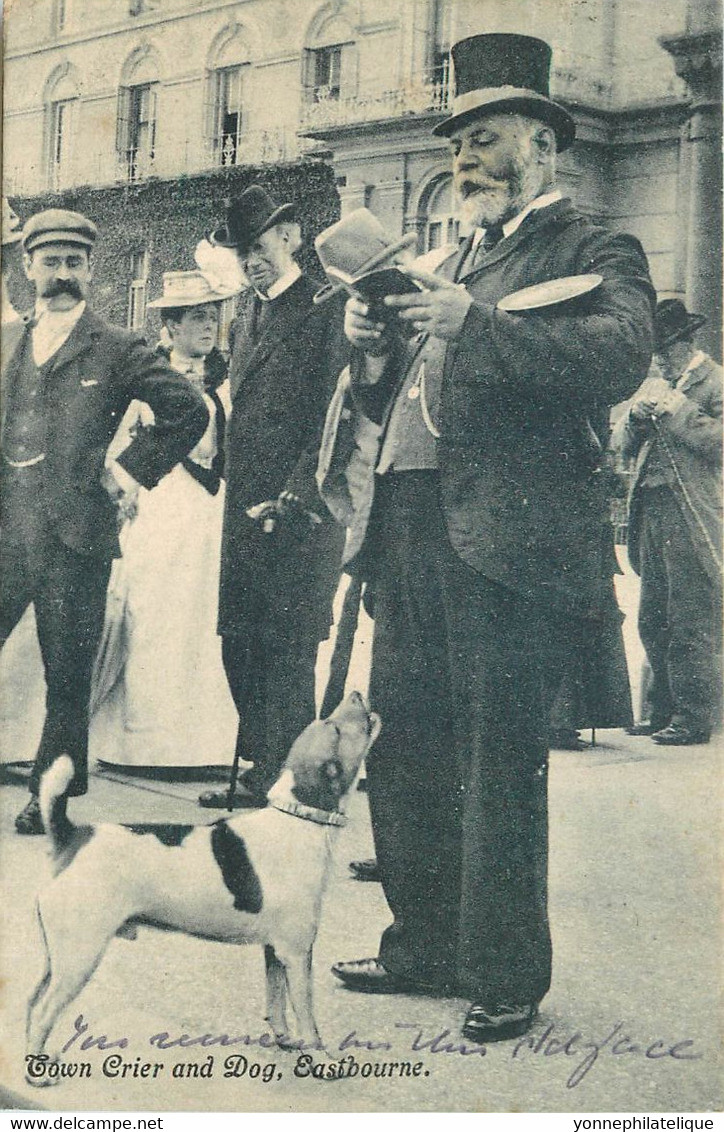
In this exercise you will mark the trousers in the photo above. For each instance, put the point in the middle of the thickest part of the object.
(679, 616)
(68, 591)
(457, 780)
(270, 671)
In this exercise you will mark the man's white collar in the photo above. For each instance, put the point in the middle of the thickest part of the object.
(515, 222)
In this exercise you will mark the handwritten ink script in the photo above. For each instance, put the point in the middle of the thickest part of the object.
(349, 1056)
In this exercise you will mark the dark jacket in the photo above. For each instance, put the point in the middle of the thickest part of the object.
(280, 388)
(689, 439)
(523, 497)
(92, 379)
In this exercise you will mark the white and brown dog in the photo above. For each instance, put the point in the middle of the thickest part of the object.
(258, 877)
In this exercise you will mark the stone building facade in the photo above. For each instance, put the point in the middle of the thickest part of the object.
(122, 95)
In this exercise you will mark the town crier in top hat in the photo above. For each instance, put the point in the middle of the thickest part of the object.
(64, 391)
(280, 553)
(480, 526)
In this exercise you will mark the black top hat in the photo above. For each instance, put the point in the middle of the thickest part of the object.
(499, 73)
(248, 216)
(673, 323)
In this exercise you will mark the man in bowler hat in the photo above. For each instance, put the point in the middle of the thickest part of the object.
(481, 528)
(65, 389)
(674, 430)
(281, 549)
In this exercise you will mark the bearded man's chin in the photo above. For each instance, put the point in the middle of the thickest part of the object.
(483, 209)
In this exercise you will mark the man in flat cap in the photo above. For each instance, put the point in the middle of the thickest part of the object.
(674, 430)
(486, 538)
(280, 564)
(65, 390)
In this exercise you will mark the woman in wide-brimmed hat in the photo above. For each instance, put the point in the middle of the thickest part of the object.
(169, 704)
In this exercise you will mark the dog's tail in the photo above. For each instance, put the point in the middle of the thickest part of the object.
(53, 799)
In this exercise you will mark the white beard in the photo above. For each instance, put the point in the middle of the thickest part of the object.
(496, 205)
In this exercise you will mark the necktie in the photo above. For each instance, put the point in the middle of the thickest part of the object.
(493, 236)
(259, 317)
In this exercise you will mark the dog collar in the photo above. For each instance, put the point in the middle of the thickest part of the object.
(309, 813)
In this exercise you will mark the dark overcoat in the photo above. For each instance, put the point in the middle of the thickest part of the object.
(691, 437)
(524, 500)
(281, 383)
(91, 381)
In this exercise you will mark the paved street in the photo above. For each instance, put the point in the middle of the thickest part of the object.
(634, 901)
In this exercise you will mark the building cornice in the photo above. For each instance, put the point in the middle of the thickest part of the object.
(594, 125)
(129, 26)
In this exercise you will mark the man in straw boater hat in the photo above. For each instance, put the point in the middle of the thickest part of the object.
(280, 547)
(674, 430)
(65, 389)
(465, 465)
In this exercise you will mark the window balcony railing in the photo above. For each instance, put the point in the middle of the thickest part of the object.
(422, 94)
(255, 147)
(134, 166)
(137, 164)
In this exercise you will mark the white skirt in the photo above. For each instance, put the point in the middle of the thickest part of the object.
(170, 705)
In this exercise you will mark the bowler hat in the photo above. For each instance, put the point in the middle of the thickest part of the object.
(12, 228)
(248, 216)
(190, 289)
(500, 73)
(672, 323)
(58, 226)
(352, 248)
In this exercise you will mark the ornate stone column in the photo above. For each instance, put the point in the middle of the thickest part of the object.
(698, 60)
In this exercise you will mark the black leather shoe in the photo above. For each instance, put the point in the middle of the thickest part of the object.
(365, 870)
(567, 740)
(370, 977)
(680, 735)
(483, 1024)
(646, 727)
(29, 823)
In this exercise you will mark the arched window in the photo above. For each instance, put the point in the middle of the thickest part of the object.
(62, 93)
(330, 57)
(137, 115)
(441, 225)
(229, 67)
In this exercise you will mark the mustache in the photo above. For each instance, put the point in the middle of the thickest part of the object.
(471, 188)
(63, 287)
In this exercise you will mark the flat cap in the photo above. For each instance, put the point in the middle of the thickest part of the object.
(58, 226)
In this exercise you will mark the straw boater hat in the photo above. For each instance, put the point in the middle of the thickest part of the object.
(190, 289)
(354, 247)
(248, 217)
(673, 323)
(499, 73)
(12, 229)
